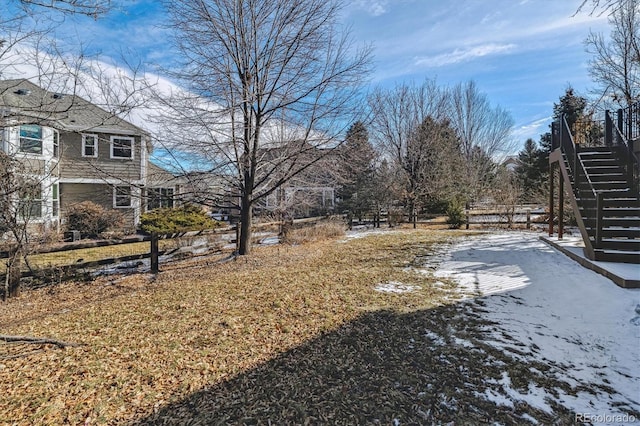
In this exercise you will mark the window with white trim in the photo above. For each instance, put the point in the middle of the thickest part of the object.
(30, 202)
(90, 146)
(122, 197)
(56, 144)
(31, 139)
(159, 197)
(121, 147)
(55, 196)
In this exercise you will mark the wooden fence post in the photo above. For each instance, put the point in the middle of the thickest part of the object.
(238, 236)
(155, 265)
(528, 218)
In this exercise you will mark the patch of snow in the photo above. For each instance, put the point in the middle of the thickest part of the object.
(531, 419)
(270, 241)
(496, 397)
(548, 308)
(355, 233)
(395, 287)
(435, 338)
(463, 342)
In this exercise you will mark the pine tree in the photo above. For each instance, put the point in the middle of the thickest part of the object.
(529, 171)
(357, 171)
(571, 105)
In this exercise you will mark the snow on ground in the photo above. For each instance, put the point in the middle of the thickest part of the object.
(395, 287)
(364, 231)
(546, 306)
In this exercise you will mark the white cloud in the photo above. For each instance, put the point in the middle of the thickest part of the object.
(465, 54)
(531, 130)
(375, 8)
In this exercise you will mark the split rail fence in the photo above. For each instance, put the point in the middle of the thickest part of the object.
(52, 264)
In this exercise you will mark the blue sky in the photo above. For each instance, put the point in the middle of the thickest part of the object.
(521, 53)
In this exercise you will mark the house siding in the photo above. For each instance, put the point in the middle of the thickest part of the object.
(74, 166)
(101, 194)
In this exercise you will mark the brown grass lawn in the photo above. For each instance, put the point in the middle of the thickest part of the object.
(71, 257)
(146, 342)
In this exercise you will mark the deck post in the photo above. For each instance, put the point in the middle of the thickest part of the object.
(551, 200)
(560, 206)
(608, 129)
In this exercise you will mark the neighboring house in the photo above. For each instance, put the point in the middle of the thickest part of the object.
(511, 163)
(301, 201)
(311, 192)
(162, 188)
(79, 152)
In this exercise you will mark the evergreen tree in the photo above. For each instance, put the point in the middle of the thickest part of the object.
(533, 170)
(357, 171)
(531, 175)
(571, 105)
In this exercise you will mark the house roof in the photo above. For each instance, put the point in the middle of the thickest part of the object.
(156, 175)
(29, 103)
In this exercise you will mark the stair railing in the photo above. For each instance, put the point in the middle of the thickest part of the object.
(580, 176)
(569, 149)
(621, 134)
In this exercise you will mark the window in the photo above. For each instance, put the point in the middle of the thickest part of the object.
(56, 144)
(160, 197)
(89, 146)
(121, 147)
(122, 196)
(31, 139)
(55, 196)
(30, 203)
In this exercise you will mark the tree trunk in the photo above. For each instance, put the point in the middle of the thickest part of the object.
(246, 216)
(414, 215)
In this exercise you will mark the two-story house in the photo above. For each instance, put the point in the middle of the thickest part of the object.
(79, 152)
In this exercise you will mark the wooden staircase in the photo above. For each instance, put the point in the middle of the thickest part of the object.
(603, 178)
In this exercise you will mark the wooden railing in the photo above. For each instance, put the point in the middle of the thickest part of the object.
(621, 134)
(563, 139)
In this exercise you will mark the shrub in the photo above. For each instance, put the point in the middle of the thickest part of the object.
(92, 219)
(179, 219)
(455, 215)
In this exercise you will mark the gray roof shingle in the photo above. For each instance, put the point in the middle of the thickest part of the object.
(29, 103)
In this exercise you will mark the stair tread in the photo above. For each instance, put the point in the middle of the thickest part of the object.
(613, 251)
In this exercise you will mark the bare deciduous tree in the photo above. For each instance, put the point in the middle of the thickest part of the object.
(484, 133)
(93, 8)
(266, 74)
(599, 6)
(410, 124)
(615, 65)
(15, 13)
(506, 193)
